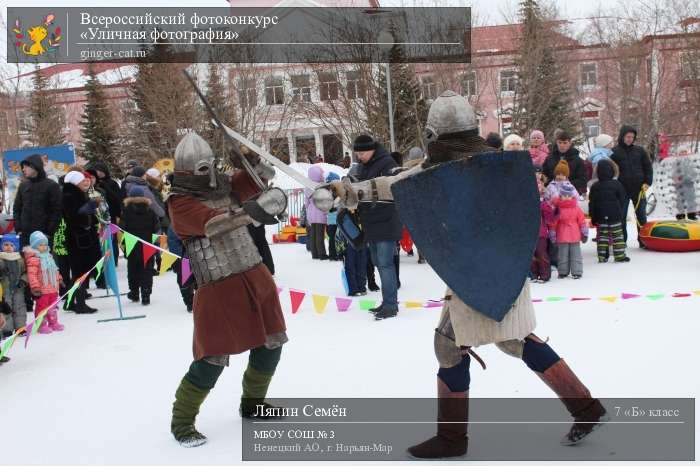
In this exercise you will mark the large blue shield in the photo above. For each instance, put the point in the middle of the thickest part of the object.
(476, 222)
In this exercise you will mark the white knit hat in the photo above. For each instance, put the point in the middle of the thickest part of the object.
(74, 178)
(602, 140)
(153, 173)
(511, 138)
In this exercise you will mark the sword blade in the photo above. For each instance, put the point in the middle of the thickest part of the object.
(286, 169)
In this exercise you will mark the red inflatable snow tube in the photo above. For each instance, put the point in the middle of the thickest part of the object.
(671, 235)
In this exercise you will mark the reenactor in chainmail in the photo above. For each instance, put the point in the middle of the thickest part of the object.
(236, 307)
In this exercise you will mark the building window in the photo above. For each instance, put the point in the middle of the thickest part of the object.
(690, 66)
(274, 91)
(4, 127)
(247, 94)
(24, 121)
(508, 81)
(589, 74)
(591, 125)
(629, 73)
(332, 148)
(301, 88)
(468, 83)
(428, 87)
(279, 147)
(328, 86)
(356, 90)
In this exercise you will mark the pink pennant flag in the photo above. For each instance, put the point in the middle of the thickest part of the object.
(296, 297)
(536, 300)
(580, 299)
(629, 296)
(186, 272)
(681, 295)
(433, 303)
(343, 304)
(114, 228)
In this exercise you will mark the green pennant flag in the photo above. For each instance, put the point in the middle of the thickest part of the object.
(552, 299)
(38, 321)
(655, 296)
(130, 241)
(367, 304)
(99, 266)
(7, 345)
(154, 238)
(75, 286)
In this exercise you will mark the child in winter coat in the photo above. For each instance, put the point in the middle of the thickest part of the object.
(606, 206)
(14, 282)
(140, 220)
(603, 148)
(44, 280)
(540, 269)
(570, 229)
(561, 180)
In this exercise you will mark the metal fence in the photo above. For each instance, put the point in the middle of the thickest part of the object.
(295, 205)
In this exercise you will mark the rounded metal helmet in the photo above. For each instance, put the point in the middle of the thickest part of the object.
(194, 155)
(449, 113)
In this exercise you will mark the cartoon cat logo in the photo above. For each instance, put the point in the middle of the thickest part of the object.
(37, 35)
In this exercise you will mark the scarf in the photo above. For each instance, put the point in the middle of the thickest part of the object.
(49, 270)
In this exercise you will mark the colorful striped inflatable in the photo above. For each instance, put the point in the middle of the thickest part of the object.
(671, 235)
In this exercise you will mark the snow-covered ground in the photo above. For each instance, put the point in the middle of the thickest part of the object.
(101, 393)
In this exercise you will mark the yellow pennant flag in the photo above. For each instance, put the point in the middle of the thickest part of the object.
(696, 292)
(610, 299)
(413, 304)
(166, 260)
(320, 303)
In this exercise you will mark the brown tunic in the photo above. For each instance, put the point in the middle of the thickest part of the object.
(237, 313)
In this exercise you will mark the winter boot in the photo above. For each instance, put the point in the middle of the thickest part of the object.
(133, 295)
(53, 320)
(188, 399)
(588, 413)
(385, 313)
(44, 327)
(453, 416)
(145, 296)
(255, 384)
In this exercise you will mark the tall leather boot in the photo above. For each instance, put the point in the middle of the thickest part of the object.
(188, 399)
(588, 412)
(453, 416)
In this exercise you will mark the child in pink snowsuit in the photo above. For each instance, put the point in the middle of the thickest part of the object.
(570, 230)
(44, 280)
(540, 270)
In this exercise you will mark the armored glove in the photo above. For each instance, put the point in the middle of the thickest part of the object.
(267, 205)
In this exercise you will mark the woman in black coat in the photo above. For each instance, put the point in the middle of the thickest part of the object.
(81, 234)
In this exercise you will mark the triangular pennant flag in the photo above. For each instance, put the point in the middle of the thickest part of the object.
(120, 237)
(186, 272)
(33, 327)
(433, 303)
(552, 299)
(610, 299)
(343, 304)
(7, 345)
(296, 297)
(154, 238)
(681, 295)
(367, 304)
(166, 261)
(696, 292)
(629, 296)
(320, 303)
(130, 241)
(98, 267)
(148, 252)
(413, 304)
(655, 296)
(536, 300)
(114, 228)
(75, 286)
(580, 299)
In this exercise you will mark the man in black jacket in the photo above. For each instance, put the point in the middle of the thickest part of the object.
(636, 175)
(380, 222)
(37, 205)
(564, 150)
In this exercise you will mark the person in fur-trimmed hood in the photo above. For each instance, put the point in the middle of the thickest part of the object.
(139, 219)
(13, 277)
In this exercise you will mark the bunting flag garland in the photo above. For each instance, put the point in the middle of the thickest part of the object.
(343, 304)
(296, 298)
(130, 241)
(320, 303)
(610, 299)
(630, 296)
(154, 238)
(8, 344)
(655, 296)
(99, 266)
(166, 261)
(696, 292)
(186, 271)
(578, 299)
(414, 304)
(681, 295)
(367, 304)
(553, 299)
(148, 252)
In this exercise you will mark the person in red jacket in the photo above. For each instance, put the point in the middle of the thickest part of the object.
(570, 229)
